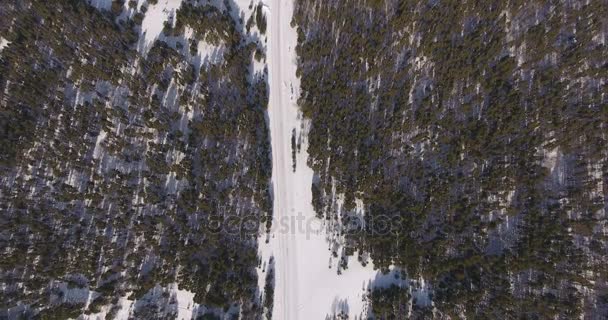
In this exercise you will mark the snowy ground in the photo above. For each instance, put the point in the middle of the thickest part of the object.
(154, 21)
(3, 43)
(306, 288)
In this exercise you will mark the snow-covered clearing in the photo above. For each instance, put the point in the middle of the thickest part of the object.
(306, 288)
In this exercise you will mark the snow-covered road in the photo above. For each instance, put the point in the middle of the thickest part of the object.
(282, 115)
(305, 287)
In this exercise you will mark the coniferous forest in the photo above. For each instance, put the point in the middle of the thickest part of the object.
(458, 153)
(478, 129)
(116, 160)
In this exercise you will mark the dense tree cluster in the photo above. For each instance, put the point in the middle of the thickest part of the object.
(116, 164)
(479, 128)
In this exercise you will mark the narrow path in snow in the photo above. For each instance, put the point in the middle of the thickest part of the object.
(305, 287)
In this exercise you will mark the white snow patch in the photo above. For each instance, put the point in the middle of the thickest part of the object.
(3, 43)
(98, 148)
(154, 21)
(394, 277)
(258, 66)
(75, 295)
(125, 309)
(185, 303)
(209, 53)
(247, 7)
